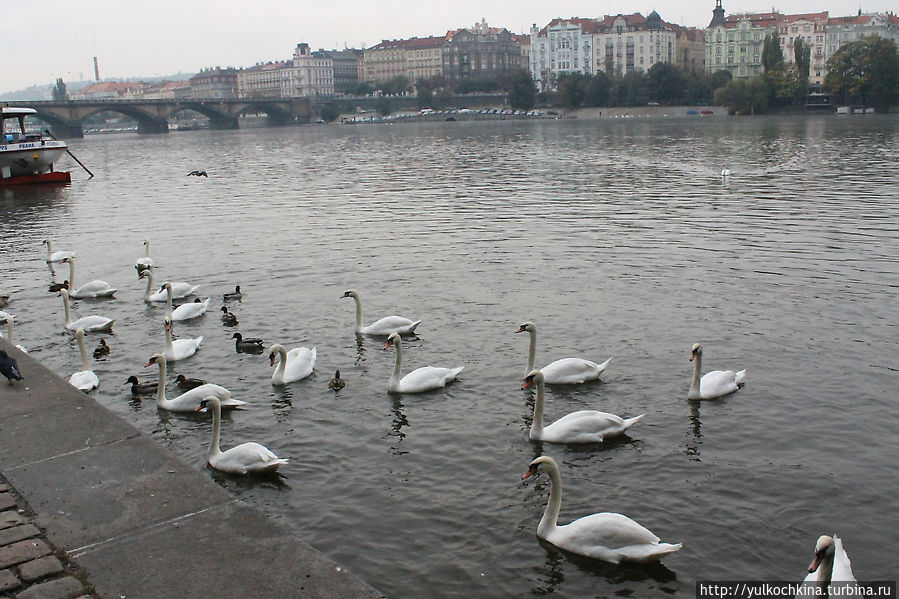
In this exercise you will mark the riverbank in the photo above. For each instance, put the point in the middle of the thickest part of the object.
(127, 516)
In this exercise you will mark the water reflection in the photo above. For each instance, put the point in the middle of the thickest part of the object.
(694, 435)
(282, 405)
(615, 574)
(397, 424)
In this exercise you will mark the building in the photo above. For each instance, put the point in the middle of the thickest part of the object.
(424, 58)
(842, 30)
(628, 43)
(480, 52)
(214, 83)
(564, 46)
(309, 74)
(414, 58)
(167, 90)
(109, 90)
(689, 49)
(347, 68)
(735, 43)
(811, 29)
(262, 80)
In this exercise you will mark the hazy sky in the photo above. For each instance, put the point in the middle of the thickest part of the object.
(131, 39)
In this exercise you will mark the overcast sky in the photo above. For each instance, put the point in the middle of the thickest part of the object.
(55, 38)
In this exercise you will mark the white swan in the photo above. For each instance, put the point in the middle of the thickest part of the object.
(245, 458)
(717, 383)
(85, 379)
(57, 256)
(607, 536)
(179, 349)
(725, 172)
(421, 379)
(91, 323)
(187, 401)
(830, 566)
(95, 288)
(179, 290)
(583, 426)
(293, 365)
(9, 332)
(567, 371)
(184, 311)
(384, 326)
(145, 261)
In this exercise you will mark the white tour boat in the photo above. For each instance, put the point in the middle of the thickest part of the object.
(27, 157)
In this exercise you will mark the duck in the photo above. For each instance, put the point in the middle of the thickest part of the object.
(421, 379)
(179, 290)
(145, 262)
(92, 323)
(566, 371)
(102, 349)
(606, 536)
(179, 349)
(54, 287)
(830, 564)
(187, 401)
(336, 383)
(228, 317)
(187, 383)
(85, 379)
(248, 344)
(9, 368)
(384, 326)
(94, 289)
(714, 384)
(57, 256)
(293, 365)
(246, 458)
(9, 331)
(233, 295)
(139, 388)
(583, 426)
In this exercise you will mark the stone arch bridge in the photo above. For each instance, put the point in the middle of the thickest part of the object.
(152, 116)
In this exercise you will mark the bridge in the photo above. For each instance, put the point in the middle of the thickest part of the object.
(152, 116)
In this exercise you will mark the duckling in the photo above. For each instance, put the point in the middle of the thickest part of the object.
(102, 349)
(138, 388)
(233, 295)
(337, 383)
(54, 287)
(248, 345)
(188, 383)
(228, 317)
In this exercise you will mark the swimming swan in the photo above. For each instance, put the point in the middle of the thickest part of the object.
(717, 383)
(607, 536)
(293, 365)
(179, 290)
(179, 348)
(384, 326)
(145, 262)
(583, 426)
(565, 371)
(57, 256)
(95, 288)
(185, 311)
(830, 565)
(421, 379)
(187, 401)
(85, 379)
(88, 323)
(245, 458)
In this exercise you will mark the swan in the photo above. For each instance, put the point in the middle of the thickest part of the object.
(57, 256)
(96, 288)
(145, 262)
(245, 458)
(179, 290)
(583, 426)
(293, 365)
(607, 536)
(566, 370)
(384, 326)
(187, 401)
(421, 379)
(336, 383)
(717, 383)
(186, 311)
(85, 379)
(179, 348)
(725, 172)
(830, 564)
(93, 323)
(139, 388)
(9, 331)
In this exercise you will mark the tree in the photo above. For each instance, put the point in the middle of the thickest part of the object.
(523, 92)
(666, 83)
(383, 105)
(59, 93)
(803, 57)
(597, 90)
(772, 55)
(865, 72)
(742, 96)
(424, 94)
(571, 89)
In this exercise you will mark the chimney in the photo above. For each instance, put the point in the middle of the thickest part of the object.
(96, 70)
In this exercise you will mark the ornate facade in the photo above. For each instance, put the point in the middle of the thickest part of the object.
(480, 52)
(216, 83)
(262, 80)
(735, 43)
(309, 74)
(812, 29)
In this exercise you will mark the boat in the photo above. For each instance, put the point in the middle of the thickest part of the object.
(27, 157)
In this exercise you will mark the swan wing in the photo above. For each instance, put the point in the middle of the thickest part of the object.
(573, 371)
(95, 288)
(842, 566)
(91, 323)
(427, 378)
(184, 348)
(60, 255)
(584, 426)
(85, 380)
(247, 457)
(391, 324)
(718, 383)
(602, 536)
(180, 290)
(190, 310)
(300, 363)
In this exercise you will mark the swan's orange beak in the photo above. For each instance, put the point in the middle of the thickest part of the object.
(692, 355)
(815, 563)
(526, 384)
(389, 345)
(529, 472)
(148, 364)
(520, 330)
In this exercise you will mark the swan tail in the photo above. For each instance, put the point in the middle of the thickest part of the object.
(740, 379)
(629, 422)
(199, 340)
(411, 327)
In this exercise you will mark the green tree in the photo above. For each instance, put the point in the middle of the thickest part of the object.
(597, 90)
(571, 89)
(522, 92)
(59, 93)
(772, 55)
(865, 72)
(665, 83)
(424, 94)
(630, 90)
(384, 105)
(802, 54)
(742, 96)
(331, 110)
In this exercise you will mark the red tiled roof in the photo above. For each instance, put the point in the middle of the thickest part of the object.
(767, 19)
(586, 25)
(813, 16)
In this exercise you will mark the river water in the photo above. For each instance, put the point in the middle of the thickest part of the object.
(617, 237)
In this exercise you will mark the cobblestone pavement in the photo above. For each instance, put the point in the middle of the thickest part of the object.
(30, 567)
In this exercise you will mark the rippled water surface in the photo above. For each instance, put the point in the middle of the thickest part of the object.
(618, 238)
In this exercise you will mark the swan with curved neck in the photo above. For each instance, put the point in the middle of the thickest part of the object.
(831, 564)
(187, 401)
(566, 371)
(179, 349)
(607, 536)
(92, 323)
(95, 288)
(184, 311)
(293, 365)
(145, 262)
(716, 383)
(246, 458)
(583, 426)
(85, 379)
(57, 256)
(421, 379)
(384, 326)
(179, 290)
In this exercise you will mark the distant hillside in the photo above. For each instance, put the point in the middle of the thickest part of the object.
(44, 92)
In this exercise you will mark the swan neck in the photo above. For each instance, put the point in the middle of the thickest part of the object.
(149, 278)
(551, 514)
(282, 362)
(85, 359)
(537, 423)
(694, 383)
(168, 339)
(49, 249)
(9, 330)
(72, 274)
(398, 363)
(168, 300)
(160, 390)
(359, 314)
(532, 351)
(65, 303)
(147, 252)
(825, 570)
(216, 430)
